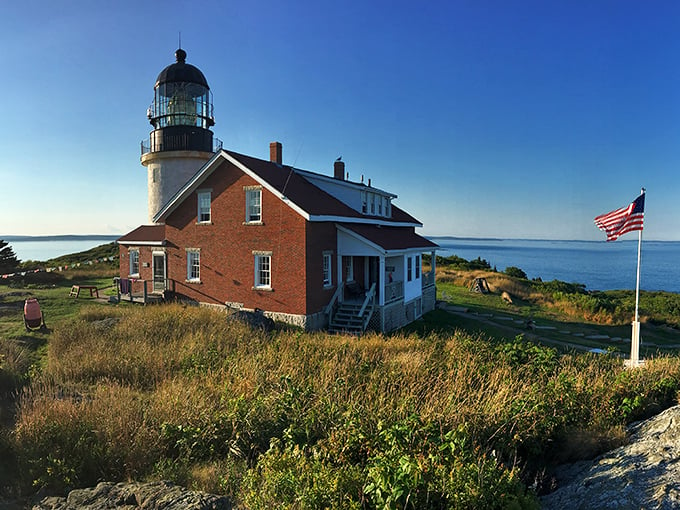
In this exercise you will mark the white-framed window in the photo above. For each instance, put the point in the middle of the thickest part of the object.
(373, 200)
(379, 198)
(203, 214)
(349, 269)
(253, 205)
(388, 208)
(417, 266)
(134, 262)
(327, 269)
(409, 269)
(193, 265)
(364, 203)
(263, 270)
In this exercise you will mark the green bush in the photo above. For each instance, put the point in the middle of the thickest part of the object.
(515, 272)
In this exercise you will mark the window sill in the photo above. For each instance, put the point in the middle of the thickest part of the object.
(254, 223)
(263, 289)
(136, 275)
(195, 282)
(204, 223)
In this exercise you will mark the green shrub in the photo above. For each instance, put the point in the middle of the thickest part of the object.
(299, 478)
(515, 272)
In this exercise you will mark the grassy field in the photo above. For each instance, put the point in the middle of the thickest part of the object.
(457, 411)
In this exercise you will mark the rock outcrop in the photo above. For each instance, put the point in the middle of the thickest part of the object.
(642, 474)
(135, 496)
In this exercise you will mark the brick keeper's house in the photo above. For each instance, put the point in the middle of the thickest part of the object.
(236, 231)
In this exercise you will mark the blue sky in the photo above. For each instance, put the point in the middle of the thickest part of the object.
(507, 118)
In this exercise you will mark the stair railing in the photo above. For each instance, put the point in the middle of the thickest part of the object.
(370, 296)
(331, 307)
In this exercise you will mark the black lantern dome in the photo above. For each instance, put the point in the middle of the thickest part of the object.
(182, 110)
(180, 71)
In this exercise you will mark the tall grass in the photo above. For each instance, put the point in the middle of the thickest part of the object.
(297, 420)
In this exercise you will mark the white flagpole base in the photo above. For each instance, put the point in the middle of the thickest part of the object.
(634, 360)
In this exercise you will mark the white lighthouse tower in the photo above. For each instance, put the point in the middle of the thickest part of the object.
(181, 140)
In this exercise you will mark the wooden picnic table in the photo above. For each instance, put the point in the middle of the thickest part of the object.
(75, 290)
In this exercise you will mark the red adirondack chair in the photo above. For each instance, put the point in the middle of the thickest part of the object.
(33, 316)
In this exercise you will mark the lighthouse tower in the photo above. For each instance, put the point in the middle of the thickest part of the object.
(181, 140)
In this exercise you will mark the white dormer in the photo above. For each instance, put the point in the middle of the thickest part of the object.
(364, 199)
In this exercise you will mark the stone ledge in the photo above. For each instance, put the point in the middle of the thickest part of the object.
(136, 496)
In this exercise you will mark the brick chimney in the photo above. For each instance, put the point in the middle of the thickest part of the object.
(339, 169)
(276, 152)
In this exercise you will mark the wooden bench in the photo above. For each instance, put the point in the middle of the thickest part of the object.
(75, 290)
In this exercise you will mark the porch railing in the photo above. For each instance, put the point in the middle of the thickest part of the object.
(427, 279)
(370, 299)
(333, 304)
(394, 292)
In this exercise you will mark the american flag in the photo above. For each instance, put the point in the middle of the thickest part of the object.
(623, 220)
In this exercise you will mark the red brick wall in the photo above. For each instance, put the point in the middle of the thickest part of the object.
(321, 237)
(227, 245)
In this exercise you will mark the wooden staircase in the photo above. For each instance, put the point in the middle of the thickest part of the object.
(347, 320)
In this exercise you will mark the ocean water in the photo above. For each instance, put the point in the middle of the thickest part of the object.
(597, 264)
(49, 247)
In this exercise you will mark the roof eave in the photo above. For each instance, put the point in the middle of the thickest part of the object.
(362, 220)
(142, 243)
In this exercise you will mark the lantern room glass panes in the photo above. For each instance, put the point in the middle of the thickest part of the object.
(181, 104)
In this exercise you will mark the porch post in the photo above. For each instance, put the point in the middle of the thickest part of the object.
(338, 281)
(381, 280)
(433, 265)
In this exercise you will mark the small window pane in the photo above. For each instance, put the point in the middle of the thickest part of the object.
(134, 262)
(193, 266)
(204, 207)
(327, 265)
(263, 271)
(253, 205)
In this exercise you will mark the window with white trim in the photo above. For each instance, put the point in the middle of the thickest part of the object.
(253, 205)
(364, 203)
(327, 269)
(409, 269)
(203, 214)
(417, 266)
(193, 265)
(134, 262)
(263, 270)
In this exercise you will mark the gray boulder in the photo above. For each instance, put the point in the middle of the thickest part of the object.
(135, 496)
(642, 474)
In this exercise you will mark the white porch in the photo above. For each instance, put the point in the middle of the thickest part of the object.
(388, 287)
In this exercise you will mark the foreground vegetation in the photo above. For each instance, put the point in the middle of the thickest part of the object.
(434, 418)
(309, 421)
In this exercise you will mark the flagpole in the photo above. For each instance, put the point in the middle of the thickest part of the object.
(635, 337)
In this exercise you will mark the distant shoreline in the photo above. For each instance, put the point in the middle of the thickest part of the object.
(65, 237)
(531, 240)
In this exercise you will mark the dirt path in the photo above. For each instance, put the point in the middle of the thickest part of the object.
(512, 331)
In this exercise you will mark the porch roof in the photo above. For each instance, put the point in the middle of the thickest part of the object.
(149, 235)
(389, 238)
